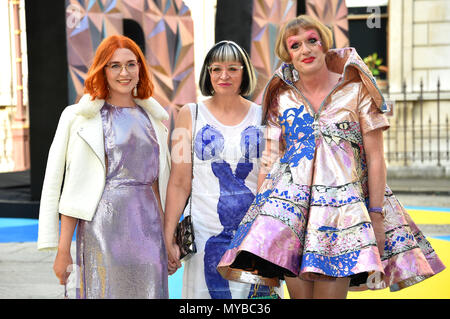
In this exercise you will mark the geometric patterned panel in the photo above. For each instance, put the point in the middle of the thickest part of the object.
(332, 13)
(268, 16)
(169, 41)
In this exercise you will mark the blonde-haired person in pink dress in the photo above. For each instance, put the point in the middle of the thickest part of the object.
(324, 219)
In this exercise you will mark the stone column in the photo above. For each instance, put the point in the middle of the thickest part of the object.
(20, 128)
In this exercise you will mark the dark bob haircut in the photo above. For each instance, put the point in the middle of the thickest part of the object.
(228, 51)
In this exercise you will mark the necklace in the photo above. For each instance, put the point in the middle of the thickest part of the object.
(116, 106)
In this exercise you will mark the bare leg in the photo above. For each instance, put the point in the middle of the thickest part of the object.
(336, 289)
(298, 288)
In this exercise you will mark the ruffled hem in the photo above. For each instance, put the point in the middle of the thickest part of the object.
(280, 236)
(259, 264)
(267, 262)
(277, 256)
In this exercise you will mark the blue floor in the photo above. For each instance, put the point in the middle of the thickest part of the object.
(18, 230)
(434, 209)
(26, 230)
(442, 237)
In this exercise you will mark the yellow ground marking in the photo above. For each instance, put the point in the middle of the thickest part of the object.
(429, 217)
(436, 287)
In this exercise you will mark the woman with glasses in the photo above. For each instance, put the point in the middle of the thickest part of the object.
(111, 151)
(323, 219)
(227, 142)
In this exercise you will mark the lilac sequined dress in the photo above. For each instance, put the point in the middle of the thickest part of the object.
(121, 252)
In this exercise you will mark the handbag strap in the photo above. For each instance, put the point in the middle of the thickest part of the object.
(192, 156)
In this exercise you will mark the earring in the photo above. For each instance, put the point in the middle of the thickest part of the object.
(135, 92)
(295, 75)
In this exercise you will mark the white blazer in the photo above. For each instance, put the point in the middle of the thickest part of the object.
(77, 155)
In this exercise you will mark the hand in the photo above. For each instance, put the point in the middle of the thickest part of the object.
(378, 228)
(173, 254)
(62, 262)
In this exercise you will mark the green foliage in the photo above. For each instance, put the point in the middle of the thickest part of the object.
(374, 64)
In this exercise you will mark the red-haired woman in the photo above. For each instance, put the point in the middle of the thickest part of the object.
(111, 149)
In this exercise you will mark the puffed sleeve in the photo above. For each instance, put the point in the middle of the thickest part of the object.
(370, 116)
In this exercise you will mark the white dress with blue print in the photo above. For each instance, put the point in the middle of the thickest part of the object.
(226, 162)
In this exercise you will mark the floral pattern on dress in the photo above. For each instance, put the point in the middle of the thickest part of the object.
(296, 125)
(310, 217)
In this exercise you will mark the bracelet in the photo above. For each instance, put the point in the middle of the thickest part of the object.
(375, 209)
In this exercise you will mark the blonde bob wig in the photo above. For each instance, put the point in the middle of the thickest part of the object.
(292, 27)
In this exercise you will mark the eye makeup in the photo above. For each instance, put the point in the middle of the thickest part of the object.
(312, 39)
(312, 36)
(292, 42)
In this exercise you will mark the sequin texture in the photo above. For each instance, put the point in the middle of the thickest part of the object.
(121, 252)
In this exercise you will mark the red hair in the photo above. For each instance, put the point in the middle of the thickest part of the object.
(96, 84)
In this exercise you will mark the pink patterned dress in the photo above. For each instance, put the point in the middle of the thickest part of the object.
(310, 217)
